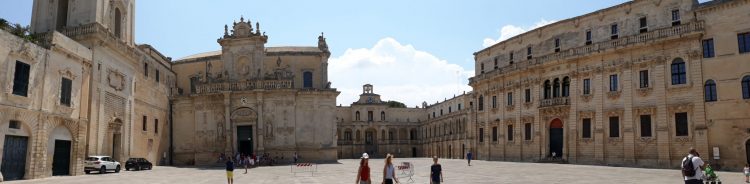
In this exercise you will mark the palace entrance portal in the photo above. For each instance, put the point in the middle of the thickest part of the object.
(556, 138)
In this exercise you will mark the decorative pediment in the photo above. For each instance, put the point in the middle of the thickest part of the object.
(67, 74)
(614, 112)
(686, 107)
(645, 110)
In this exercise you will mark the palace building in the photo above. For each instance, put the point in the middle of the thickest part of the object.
(636, 84)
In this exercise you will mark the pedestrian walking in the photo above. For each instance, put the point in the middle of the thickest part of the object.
(230, 171)
(296, 157)
(692, 167)
(746, 170)
(468, 157)
(436, 172)
(245, 162)
(389, 171)
(363, 173)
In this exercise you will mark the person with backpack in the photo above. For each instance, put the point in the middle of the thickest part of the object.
(692, 168)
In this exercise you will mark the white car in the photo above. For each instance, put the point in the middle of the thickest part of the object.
(101, 164)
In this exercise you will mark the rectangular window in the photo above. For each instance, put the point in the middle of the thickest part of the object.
(494, 102)
(588, 37)
(613, 83)
(643, 25)
(65, 90)
(615, 32)
(708, 48)
(675, 17)
(643, 78)
(528, 53)
(681, 124)
(586, 128)
(557, 45)
(481, 103)
(495, 63)
(369, 116)
(459, 107)
(527, 131)
(145, 69)
(157, 76)
(527, 95)
(645, 125)
(14, 124)
(510, 58)
(510, 133)
(494, 134)
(145, 123)
(21, 79)
(614, 126)
(586, 86)
(743, 40)
(156, 126)
(481, 134)
(510, 99)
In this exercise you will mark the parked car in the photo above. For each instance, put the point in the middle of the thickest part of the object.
(138, 164)
(101, 164)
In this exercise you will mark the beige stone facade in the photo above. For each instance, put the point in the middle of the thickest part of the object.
(635, 84)
(252, 99)
(620, 86)
(115, 100)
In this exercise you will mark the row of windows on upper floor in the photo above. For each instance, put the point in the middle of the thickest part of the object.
(21, 77)
(450, 110)
(681, 128)
(678, 73)
(446, 129)
(614, 30)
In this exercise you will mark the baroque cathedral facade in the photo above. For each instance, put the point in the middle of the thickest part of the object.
(636, 84)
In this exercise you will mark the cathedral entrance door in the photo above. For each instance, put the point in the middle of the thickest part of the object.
(244, 139)
(747, 150)
(556, 138)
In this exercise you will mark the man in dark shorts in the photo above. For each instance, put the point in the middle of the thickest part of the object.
(436, 172)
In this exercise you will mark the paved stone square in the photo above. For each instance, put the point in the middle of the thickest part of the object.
(455, 171)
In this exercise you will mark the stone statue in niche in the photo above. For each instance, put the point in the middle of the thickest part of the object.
(269, 129)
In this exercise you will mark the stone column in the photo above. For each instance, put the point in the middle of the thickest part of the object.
(259, 138)
(628, 133)
(228, 125)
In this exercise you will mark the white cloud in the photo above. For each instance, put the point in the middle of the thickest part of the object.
(509, 31)
(397, 72)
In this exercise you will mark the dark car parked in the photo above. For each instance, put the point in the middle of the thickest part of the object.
(138, 164)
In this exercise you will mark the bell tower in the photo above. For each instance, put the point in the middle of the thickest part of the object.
(117, 16)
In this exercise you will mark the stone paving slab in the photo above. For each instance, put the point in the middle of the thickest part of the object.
(455, 171)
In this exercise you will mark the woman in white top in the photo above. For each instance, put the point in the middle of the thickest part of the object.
(746, 170)
(389, 170)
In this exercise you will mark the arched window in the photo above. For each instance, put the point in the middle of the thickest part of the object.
(118, 23)
(547, 87)
(710, 91)
(556, 88)
(746, 87)
(566, 87)
(356, 116)
(307, 79)
(679, 75)
(382, 115)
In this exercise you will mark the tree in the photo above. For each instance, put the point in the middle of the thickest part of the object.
(395, 104)
(4, 24)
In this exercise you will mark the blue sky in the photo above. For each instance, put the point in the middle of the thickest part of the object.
(380, 42)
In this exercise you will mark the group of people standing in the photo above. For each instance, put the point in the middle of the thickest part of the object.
(363, 173)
